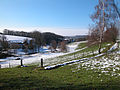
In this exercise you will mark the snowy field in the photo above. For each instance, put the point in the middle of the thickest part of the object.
(36, 58)
(108, 64)
(67, 59)
(52, 59)
(17, 39)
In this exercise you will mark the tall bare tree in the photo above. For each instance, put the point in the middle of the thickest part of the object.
(103, 17)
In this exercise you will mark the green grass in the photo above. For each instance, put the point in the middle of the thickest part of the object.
(90, 49)
(81, 45)
(60, 78)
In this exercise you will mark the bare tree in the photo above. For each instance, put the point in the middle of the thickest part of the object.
(31, 44)
(93, 35)
(26, 45)
(4, 42)
(103, 17)
(38, 39)
(116, 7)
(111, 34)
(53, 45)
(63, 46)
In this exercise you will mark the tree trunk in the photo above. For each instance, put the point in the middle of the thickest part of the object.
(102, 29)
(99, 50)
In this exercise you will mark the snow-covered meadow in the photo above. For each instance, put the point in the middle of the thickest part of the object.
(18, 39)
(36, 58)
(108, 64)
(73, 56)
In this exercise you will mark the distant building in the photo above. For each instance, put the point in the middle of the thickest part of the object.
(75, 38)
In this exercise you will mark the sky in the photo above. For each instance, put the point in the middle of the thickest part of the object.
(64, 17)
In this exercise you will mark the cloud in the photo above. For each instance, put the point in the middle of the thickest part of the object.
(57, 30)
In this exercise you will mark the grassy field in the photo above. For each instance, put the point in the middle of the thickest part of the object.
(77, 76)
(60, 78)
(81, 45)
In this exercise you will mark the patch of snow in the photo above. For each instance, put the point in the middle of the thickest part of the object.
(105, 64)
(115, 46)
(108, 44)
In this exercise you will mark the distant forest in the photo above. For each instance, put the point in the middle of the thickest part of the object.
(44, 38)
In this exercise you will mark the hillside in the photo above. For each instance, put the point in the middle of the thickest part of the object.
(101, 72)
(46, 37)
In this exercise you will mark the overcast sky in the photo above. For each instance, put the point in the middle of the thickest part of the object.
(64, 17)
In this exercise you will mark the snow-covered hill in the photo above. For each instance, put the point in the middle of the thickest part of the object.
(16, 39)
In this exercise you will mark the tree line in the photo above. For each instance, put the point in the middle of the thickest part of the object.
(40, 38)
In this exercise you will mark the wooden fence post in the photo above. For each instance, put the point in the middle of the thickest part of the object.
(42, 62)
(21, 61)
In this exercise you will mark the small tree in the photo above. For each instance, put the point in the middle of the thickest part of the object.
(54, 44)
(26, 45)
(4, 42)
(93, 36)
(31, 44)
(111, 34)
(63, 46)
